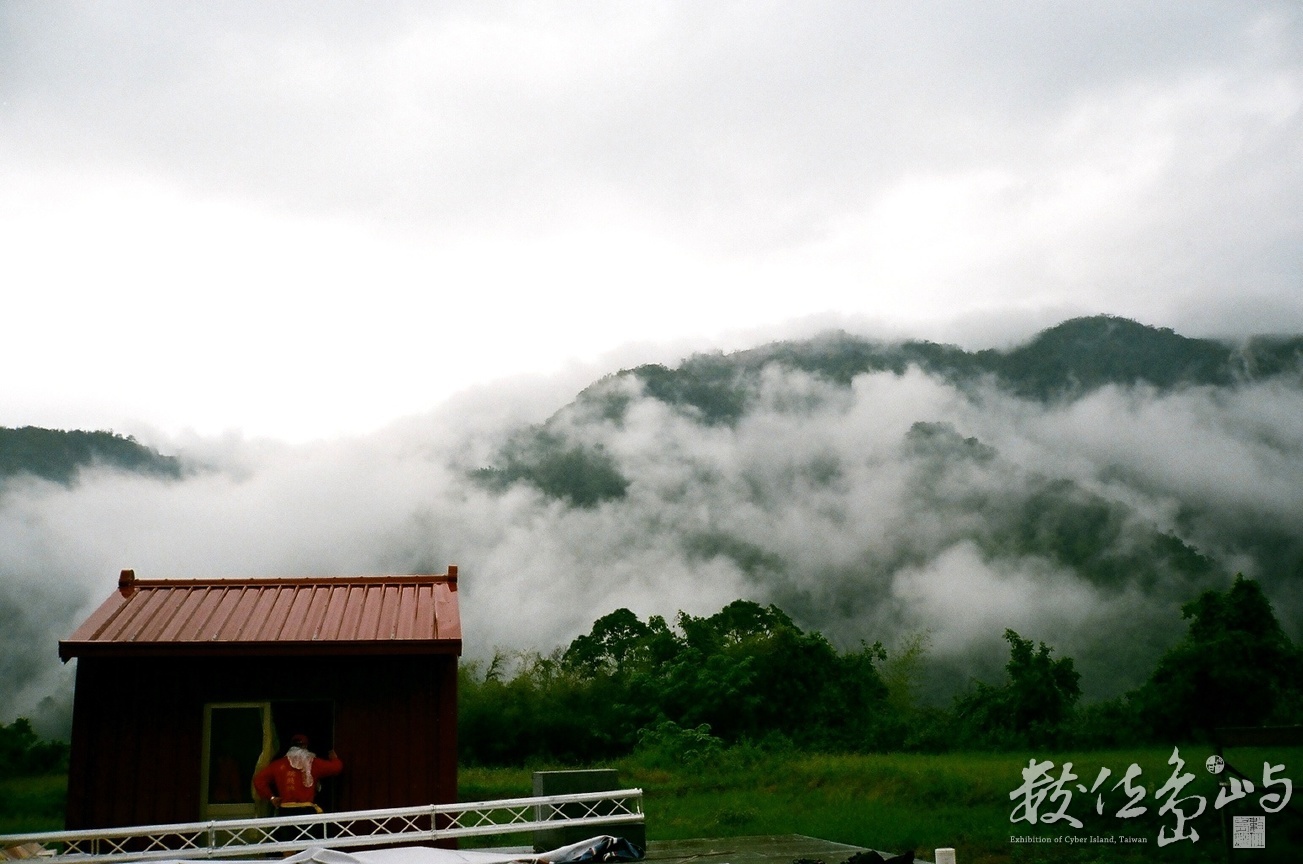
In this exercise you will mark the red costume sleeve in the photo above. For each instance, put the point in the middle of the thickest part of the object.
(326, 767)
(262, 781)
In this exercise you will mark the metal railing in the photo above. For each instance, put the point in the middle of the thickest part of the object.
(425, 824)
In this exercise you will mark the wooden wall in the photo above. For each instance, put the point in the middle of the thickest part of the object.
(138, 729)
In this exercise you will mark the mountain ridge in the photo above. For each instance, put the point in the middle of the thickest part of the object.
(1061, 363)
(1067, 360)
(59, 455)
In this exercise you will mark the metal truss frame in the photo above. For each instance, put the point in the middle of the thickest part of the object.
(230, 838)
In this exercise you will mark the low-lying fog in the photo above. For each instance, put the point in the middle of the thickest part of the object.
(825, 500)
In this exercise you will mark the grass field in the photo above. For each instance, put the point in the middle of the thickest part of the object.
(30, 804)
(886, 802)
(921, 802)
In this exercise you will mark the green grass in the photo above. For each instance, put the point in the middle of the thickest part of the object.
(31, 804)
(921, 802)
(889, 802)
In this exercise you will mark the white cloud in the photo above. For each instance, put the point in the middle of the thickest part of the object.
(316, 199)
(820, 499)
(962, 598)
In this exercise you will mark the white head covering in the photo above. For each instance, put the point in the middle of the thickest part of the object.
(301, 759)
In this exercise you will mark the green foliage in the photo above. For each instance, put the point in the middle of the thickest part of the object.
(941, 440)
(581, 475)
(530, 707)
(667, 744)
(1110, 723)
(1235, 667)
(31, 804)
(748, 557)
(1064, 361)
(710, 384)
(57, 455)
(1269, 356)
(746, 673)
(1085, 354)
(1042, 690)
(1031, 707)
(749, 672)
(24, 754)
(617, 642)
(1098, 539)
(900, 672)
(747, 679)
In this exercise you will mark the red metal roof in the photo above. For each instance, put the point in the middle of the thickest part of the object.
(335, 615)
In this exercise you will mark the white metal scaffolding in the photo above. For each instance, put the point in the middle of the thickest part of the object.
(402, 825)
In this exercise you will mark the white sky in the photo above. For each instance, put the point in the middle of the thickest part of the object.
(300, 220)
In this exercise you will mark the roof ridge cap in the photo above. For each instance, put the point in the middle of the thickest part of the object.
(284, 581)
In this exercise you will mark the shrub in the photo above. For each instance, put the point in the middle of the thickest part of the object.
(24, 754)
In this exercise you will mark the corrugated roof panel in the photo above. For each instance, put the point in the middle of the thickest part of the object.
(373, 615)
(300, 623)
(447, 615)
(260, 617)
(122, 618)
(409, 609)
(127, 620)
(329, 628)
(316, 612)
(135, 619)
(99, 619)
(405, 613)
(405, 617)
(274, 627)
(226, 599)
(370, 620)
(387, 626)
(394, 612)
(350, 623)
(154, 616)
(294, 627)
(202, 619)
(421, 608)
(225, 604)
(425, 607)
(242, 616)
(182, 618)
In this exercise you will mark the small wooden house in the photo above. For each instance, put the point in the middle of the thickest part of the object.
(185, 687)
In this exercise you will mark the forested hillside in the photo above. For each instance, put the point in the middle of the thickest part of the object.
(1063, 363)
(58, 455)
(1050, 474)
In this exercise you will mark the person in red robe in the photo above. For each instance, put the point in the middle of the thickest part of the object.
(290, 782)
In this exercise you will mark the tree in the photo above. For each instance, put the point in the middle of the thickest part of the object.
(1033, 704)
(612, 642)
(748, 672)
(1234, 667)
(22, 752)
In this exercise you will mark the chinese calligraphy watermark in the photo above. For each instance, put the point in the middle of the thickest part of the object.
(1046, 799)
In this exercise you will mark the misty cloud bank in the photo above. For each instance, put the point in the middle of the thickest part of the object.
(895, 506)
(392, 176)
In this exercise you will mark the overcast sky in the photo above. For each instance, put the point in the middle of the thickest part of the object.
(298, 220)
